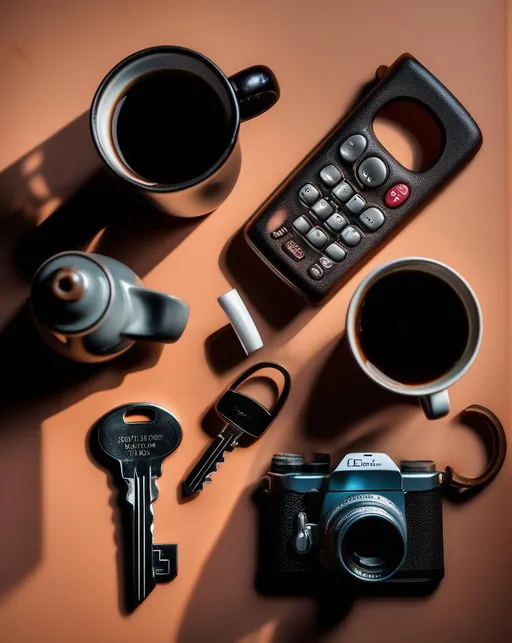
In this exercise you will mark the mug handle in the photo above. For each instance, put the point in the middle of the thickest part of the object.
(256, 89)
(436, 405)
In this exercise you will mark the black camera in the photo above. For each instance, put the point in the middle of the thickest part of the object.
(368, 520)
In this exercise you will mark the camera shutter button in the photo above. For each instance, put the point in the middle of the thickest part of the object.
(287, 463)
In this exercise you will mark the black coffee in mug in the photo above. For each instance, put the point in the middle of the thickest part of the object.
(166, 120)
(170, 126)
(413, 326)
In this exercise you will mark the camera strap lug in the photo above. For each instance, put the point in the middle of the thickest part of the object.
(303, 538)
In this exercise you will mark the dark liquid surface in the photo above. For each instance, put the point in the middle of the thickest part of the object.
(413, 327)
(170, 126)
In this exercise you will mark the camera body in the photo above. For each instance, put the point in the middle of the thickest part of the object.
(368, 520)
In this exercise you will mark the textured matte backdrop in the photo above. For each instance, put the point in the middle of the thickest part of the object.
(58, 566)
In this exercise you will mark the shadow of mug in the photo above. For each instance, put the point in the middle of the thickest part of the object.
(342, 395)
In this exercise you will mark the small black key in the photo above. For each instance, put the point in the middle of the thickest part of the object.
(243, 416)
(140, 448)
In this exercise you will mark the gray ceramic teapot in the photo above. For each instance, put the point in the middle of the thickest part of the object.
(91, 308)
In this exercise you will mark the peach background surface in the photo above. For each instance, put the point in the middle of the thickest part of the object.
(58, 567)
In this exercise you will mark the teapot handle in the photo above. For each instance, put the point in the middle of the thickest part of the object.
(156, 316)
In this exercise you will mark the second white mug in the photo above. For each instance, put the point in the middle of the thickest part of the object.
(414, 326)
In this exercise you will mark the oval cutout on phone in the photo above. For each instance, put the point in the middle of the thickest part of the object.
(411, 133)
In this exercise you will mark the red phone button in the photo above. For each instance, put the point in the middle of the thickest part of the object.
(396, 195)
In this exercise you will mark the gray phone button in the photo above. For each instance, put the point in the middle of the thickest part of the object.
(309, 194)
(322, 209)
(315, 272)
(353, 147)
(335, 252)
(372, 172)
(317, 238)
(325, 263)
(356, 204)
(351, 236)
(343, 192)
(330, 175)
(372, 219)
(302, 225)
(336, 222)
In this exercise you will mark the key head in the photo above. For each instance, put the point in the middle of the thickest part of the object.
(143, 442)
(244, 413)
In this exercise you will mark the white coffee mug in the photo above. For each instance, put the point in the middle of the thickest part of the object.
(433, 395)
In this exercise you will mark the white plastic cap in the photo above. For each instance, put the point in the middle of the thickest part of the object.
(241, 320)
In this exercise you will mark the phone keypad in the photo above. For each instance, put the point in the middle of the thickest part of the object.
(340, 213)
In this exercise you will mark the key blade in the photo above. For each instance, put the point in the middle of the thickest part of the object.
(224, 442)
(142, 531)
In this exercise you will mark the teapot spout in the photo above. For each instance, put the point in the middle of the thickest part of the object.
(156, 316)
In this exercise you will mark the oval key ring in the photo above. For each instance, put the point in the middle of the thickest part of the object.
(283, 396)
(243, 416)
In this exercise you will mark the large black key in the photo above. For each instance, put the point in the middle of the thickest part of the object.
(244, 416)
(140, 448)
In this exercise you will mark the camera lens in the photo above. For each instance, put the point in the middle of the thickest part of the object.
(373, 544)
(366, 537)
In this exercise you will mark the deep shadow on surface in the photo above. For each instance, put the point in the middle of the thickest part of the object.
(342, 391)
(72, 226)
(52, 170)
(134, 230)
(223, 349)
(273, 299)
(140, 234)
(38, 384)
(59, 196)
(30, 189)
